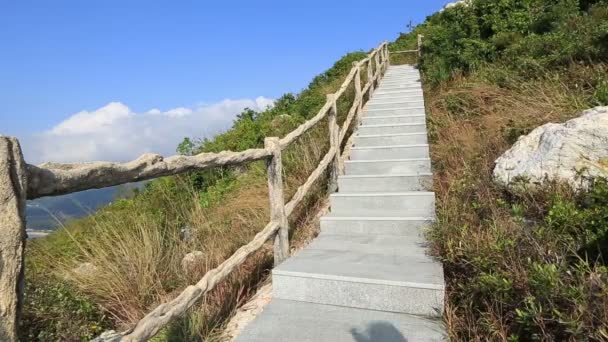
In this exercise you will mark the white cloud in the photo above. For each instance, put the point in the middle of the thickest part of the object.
(116, 133)
(89, 122)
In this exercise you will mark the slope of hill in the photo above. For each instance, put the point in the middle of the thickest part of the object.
(520, 265)
(133, 248)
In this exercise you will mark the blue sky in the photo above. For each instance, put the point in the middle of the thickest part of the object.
(68, 68)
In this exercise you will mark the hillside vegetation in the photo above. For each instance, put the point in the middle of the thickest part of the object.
(109, 269)
(526, 265)
(519, 266)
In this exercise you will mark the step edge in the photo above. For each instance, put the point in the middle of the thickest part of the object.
(358, 280)
(389, 93)
(395, 116)
(428, 174)
(385, 109)
(394, 102)
(386, 160)
(389, 135)
(392, 125)
(387, 194)
(377, 218)
(389, 146)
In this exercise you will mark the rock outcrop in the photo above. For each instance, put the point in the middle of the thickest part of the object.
(559, 152)
(86, 269)
(192, 261)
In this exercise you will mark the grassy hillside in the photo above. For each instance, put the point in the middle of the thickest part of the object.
(109, 269)
(519, 266)
(526, 265)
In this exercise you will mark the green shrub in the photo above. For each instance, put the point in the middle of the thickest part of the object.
(56, 311)
(526, 35)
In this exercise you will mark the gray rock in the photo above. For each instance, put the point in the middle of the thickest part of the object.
(86, 269)
(559, 152)
(192, 261)
(185, 234)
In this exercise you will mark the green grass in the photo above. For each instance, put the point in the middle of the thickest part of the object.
(136, 245)
(520, 265)
(526, 264)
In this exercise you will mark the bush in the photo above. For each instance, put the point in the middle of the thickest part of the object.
(137, 244)
(524, 34)
(526, 265)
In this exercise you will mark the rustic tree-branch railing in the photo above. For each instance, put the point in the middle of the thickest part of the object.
(20, 181)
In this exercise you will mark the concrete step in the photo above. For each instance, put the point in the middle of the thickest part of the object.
(399, 226)
(380, 93)
(390, 152)
(293, 321)
(411, 78)
(393, 119)
(385, 183)
(356, 278)
(378, 204)
(410, 81)
(414, 245)
(398, 96)
(396, 88)
(395, 104)
(393, 99)
(392, 129)
(401, 75)
(391, 139)
(400, 81)
(419, 110)
(387, 167)
(405, 74)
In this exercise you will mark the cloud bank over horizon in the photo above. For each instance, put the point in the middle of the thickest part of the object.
(116, 133)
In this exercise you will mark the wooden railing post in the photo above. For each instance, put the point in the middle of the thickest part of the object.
(358, 94)
(277, 201)
(378, 66)
(13, 187)
(387, 54)
(383, 58)
(334, 138)
(420, 45)
(370, 77)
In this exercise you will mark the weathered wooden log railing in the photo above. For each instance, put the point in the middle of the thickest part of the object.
(20, 181)
(417, 51)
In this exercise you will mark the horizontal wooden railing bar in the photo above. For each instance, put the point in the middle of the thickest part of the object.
(418, 50)
(52, 179)
(57, 179)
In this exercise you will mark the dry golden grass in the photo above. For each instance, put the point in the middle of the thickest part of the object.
(136, 247)
(491, 252)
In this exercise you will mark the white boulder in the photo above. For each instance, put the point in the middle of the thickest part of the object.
(193, 261)
(86, 269)
(559, 152)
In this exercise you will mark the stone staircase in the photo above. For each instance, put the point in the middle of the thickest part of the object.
(367, 276)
